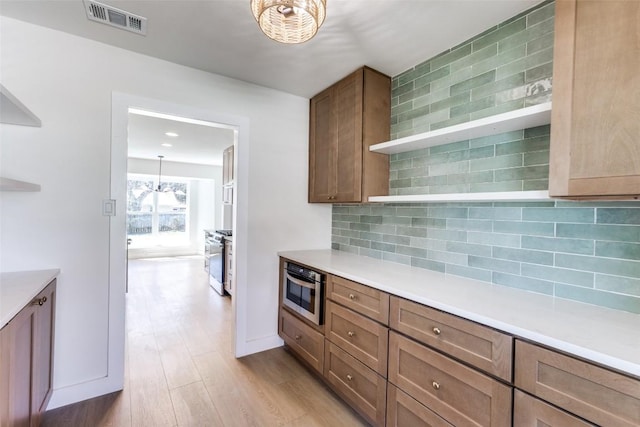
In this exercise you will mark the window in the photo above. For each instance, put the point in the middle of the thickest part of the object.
(157, 218)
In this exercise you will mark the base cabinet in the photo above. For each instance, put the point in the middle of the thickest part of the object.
(403, 410)
(26, 360)
(306, 342)
(459, 394)
(363, 388)
(403, 364)
(531, 412)
(228, 266)
(596, 394)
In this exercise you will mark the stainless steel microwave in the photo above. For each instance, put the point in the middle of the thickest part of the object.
(303, 291)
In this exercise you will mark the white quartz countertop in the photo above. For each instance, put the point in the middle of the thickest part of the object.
(18, 288)
(605, 336)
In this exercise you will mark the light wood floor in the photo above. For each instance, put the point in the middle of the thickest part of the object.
(180, 369)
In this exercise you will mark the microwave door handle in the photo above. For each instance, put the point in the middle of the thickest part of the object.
(300, 282)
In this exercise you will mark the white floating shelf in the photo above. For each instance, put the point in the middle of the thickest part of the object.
(7, 184)
(14, 112)
(504, 196)
(522, 118)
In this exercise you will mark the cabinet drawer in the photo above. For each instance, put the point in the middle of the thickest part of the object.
(360, 386)
(363, 299)
(304, 340)
(593, 393)
(405, 411)
(480, 346)
(531, 412)
(363, 338)
(459, 394)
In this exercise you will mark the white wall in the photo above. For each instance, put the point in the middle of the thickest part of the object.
(68, 83)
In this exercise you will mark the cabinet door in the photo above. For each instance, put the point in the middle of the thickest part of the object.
(361, 337)
(405, 411)
(227, 166)
(307, 343)
(348, 148)
(365, 390)
(531, 412)
(43, 350)
(17, 339)
(321, 147)
(363, 299)
(591, 392)
(228, 271)
(457, 393)
(595, 145)
(478, 345)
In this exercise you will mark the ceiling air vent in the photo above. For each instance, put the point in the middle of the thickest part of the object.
(115, 17)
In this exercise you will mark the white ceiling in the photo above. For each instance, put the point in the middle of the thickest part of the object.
(222, 37)
(195, 143)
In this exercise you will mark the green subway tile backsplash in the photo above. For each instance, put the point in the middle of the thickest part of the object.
(585, 251)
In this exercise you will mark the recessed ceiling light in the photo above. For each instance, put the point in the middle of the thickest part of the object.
(173, 134)
(166, 145)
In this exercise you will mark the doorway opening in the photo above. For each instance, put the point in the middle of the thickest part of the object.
(165, 202)
(174, 191)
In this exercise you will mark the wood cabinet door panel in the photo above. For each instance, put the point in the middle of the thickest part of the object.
(596, 99)
(460, 395)
(227, 165)
(360, 298)
(17, 355)
(356, 383)
(405, 411)
(591, 392)
(531, 412)
(322, 147)
(348, 149)
(363, 338)
(483, 347)
(302, 339)
(43, 350)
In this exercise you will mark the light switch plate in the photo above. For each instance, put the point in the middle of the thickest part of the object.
(109, 207)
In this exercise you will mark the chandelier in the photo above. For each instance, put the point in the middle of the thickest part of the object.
(289, 21)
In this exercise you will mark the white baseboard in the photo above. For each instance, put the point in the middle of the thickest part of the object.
(79, 392)
(258, 345)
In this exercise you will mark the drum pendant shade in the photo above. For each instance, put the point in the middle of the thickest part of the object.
(289, 21)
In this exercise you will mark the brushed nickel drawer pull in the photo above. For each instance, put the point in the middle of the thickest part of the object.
(351, 333)
(437, 330)
(298, 337)
(352, 297)
(435, 385)
(349, 377)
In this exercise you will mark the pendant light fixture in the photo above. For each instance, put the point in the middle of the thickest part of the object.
(289, 21)
(160, 174)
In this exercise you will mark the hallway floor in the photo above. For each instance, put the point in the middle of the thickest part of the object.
(180, 369)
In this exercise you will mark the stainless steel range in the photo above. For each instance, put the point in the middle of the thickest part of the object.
(216, 261)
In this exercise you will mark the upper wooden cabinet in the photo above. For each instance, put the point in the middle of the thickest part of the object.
(227, 166)
(228, 175)
(595, 132)
(345, 120)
